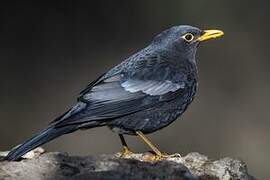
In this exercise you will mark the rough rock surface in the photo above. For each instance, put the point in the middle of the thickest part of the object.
(59, 166)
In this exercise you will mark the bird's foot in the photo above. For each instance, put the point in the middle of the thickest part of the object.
(175, 155)
(126, 152)
(161, 156)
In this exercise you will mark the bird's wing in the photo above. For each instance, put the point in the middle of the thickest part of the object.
(122, 94)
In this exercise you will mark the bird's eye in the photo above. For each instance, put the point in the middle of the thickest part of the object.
(188, 37)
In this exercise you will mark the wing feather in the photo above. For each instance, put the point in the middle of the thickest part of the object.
(120, 92)
(112, 99)
(151, 87)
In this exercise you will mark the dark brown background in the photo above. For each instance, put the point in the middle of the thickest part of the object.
(51, 51)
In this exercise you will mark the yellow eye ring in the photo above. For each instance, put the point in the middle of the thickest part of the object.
(188, 37)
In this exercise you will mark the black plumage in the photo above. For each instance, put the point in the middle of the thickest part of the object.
(144, 93)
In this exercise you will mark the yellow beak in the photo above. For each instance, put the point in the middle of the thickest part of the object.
(210, 34)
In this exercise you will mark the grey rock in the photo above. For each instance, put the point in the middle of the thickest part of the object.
(59, 166)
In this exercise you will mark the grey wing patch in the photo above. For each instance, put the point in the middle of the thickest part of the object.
(151, 87)
(110, 92)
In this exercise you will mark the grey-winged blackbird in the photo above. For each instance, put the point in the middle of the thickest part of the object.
(144, 93)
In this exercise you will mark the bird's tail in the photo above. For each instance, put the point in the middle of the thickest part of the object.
(44, 136)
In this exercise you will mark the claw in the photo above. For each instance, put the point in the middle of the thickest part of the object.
(161, 156)
(175, 155)
(126, 152)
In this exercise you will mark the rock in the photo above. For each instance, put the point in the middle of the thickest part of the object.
(59, 166)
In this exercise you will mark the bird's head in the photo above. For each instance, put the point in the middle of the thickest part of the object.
(184, 40)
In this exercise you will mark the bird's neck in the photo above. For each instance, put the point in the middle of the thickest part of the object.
(178, 58)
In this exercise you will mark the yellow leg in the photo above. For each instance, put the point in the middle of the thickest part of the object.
(126, 152)
(159, 154)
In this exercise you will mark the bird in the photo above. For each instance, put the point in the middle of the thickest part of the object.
(144, 93)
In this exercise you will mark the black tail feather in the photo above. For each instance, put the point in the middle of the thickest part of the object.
(41, 138)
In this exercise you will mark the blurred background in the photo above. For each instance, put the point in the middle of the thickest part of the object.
(51, 51)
